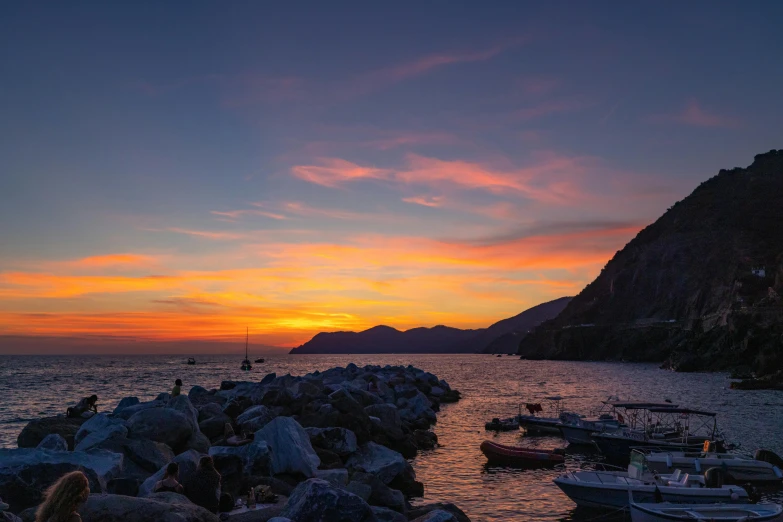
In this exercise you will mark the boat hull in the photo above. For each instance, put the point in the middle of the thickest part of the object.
(614, 495)
(499, 454)
(619, 448)
(539, 425)
(741, 471)
(716, 513)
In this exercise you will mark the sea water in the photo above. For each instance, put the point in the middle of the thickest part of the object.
(37, 386)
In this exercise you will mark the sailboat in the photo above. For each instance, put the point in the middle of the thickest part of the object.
(246, 366)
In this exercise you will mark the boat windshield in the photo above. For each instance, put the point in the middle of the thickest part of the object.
(638, 465)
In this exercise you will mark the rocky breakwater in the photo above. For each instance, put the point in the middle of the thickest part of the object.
(333, 445)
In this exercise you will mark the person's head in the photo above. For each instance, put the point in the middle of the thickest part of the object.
(93, 399)
(178, 382)
(63, 497)
(172, 470)
(206, 462)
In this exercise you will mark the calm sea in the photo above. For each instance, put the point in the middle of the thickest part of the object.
(35, 386)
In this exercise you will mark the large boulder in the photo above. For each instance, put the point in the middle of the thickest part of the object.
(26, 473)
(188, 462)
(130, 411)
(416, 407)
(182, 404)
(127, 402)
(380, 493)
(5, 516)
(165, 425)
(339, 440)
(290, 447)
(436, 515)
(255, 418)
(97, 429)
(337, 477)
(37, 429)
(256, 457)
(198, 441)
(214, 427)
(390, 422)
(316, 500)
(378, 460)
(420, 511)
(383, 514)
(209, 410)
(148, 454)
(163, 508)
(53, 442)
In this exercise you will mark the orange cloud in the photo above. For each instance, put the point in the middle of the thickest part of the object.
(113, 260)
(332, 172)
(235, 214)
(432, 201)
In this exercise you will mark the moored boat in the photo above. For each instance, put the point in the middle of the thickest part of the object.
(191, 360)
(547, 424)
(736, 468)
(500, 454)
(610, 489)
(502, 425)
(246, 365)
(668, 512)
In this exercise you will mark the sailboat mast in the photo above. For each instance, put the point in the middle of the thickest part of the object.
(247, 335)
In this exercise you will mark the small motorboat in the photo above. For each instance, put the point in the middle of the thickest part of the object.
(738, 470)
(259, 360)
(503, 455)
(666, 512)
(502, 425)
(611, 489)
(191, 360)
(544, 425)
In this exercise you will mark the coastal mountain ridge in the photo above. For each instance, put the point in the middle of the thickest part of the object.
(699, 288)
(438, 339)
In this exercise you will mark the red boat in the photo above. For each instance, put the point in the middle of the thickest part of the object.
(515, 456)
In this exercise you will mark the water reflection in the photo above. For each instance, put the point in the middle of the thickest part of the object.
(455, 472)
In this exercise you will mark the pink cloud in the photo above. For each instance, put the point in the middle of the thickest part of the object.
(695, 115)
(236, 214)
(431, 201)
(332, 172)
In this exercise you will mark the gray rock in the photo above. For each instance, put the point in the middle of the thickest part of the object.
(336, 477)
(127, 413)
(25, 473)
(383, 514)
(37, 429)
(339, 440)
(389, 417)
(53, 442)
(359, 489)
(162, 508)
(422, 510)
(126, 403)
(279, 519)
(256, 457)
(165, 425)
(164, 397)
(198, 441)
(290, 447)
(209, 410)
(188, 462)
(437, 515)
(214, 427)
(97, 429)
(316, 500)
(380, 493)
(268, 379)
(418, 406)
(378, 460)
(182, 404)
(255, 418)
(5, 516)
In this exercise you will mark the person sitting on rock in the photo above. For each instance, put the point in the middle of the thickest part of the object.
(232, 439)
(83, 406)
(64, 498)
(170, 480)
(202, 487)
(177, 388)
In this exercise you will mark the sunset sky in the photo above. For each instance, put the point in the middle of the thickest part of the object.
(178, 171)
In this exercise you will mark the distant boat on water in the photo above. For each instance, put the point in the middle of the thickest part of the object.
(260, 360)
(191, 360)
(246, 366)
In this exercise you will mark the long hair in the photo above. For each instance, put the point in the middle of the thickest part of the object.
(62, 497)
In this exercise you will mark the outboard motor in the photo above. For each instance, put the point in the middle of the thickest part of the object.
(714, 478)
(768, 456)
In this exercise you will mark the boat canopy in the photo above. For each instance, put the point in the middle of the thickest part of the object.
(686, 411)
(641, 405)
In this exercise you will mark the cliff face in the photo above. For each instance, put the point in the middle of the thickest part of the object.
(439, 339)
(684, 289)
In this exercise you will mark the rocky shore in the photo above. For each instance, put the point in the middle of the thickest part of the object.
(331, 445)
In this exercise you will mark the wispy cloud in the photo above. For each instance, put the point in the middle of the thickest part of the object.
(332, 172)
(236, 214)
(427, 201)
(207, 234)
(695, 115)
(112, 260)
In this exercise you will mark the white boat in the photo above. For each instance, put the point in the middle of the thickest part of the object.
(667, 512)
(610, 489)
(578, 430)
(737, 468)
